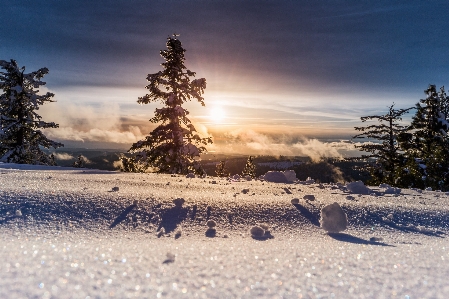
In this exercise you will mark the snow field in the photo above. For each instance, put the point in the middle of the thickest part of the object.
(77, 238)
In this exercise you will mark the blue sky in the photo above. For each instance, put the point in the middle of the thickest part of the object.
(290, 70)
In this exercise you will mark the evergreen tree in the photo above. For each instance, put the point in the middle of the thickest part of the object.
(250, 168)
(20, 136)
(427, 145)
(174, 146)
(385, 161)
(80, 162)
(131, 164)
(220, 169)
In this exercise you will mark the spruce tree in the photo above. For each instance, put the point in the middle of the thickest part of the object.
(21, 139)
(427, 145)
(250, 168)
(220, 169)
(80, 162)
(385, 159)
(174, 146)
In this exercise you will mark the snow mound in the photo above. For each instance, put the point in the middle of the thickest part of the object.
(211, 224)
(236, 177)
(392, 190)
(290, 175)
(358, 187)
(275, 177)
(333, 218)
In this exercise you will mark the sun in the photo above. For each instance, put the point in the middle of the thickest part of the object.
(217, 114)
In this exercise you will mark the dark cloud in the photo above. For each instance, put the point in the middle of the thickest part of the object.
(360, 44)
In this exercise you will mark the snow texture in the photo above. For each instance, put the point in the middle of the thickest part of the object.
(64, 234)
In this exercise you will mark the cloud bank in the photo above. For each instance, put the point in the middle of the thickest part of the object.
(244, 141)
(86, 123)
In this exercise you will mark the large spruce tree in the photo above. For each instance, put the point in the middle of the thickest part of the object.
(174, 146)
(385, 160)
(21, 139)
(427, 145)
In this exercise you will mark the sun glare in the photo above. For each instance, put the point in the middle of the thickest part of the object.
(217, 114)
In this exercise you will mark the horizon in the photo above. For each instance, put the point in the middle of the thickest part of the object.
(281, 77)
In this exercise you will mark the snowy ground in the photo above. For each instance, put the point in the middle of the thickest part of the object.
(66, 234)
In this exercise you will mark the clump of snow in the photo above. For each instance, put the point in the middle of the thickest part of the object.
(392, 190)
(179, 202)
(358, 187)
(309, 197)
(211, 231)
(290, 175)
(115, 189)
(386, 186)
(261, 231)
(428, 189)
(18, 213)
(308, 181)
(333, 218)
(170, 258)
(295, 201)
(236, 177)
(257, 232)
(211, 223)
(275, 177)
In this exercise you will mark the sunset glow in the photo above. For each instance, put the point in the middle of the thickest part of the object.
(217, 114)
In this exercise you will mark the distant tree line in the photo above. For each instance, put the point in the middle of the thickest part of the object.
(413, 155)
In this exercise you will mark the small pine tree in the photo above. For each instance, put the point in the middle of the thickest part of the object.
(131, 164)
(174, 146)
(426, 145)
(385, 161)
(250, 168)
(20, 136)
(220, 169)
(80, 162)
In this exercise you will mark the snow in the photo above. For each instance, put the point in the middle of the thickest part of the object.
(290, 175)
(64, 234)
(358, 187)
(275, 177)
(333, 218)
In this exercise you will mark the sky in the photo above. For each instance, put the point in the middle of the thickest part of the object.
(280, 74)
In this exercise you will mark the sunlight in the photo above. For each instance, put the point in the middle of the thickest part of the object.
(217, 114)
